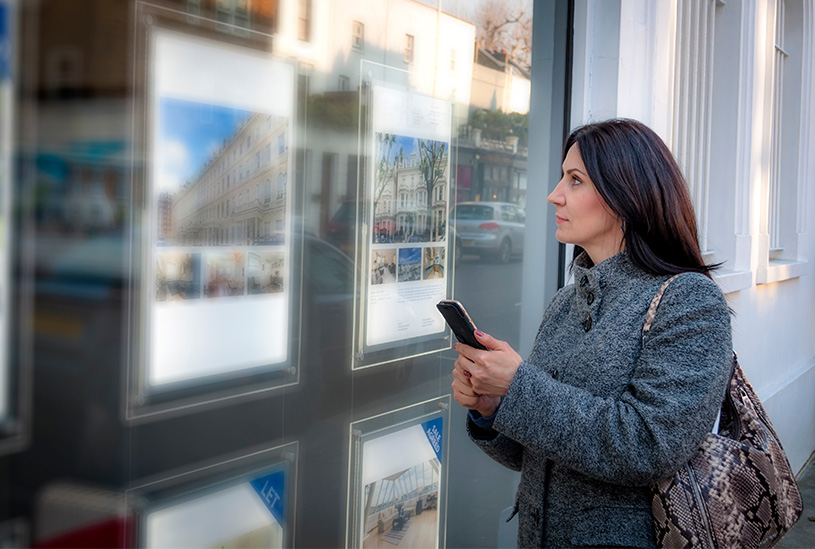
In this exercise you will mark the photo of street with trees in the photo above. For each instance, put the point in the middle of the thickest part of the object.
(410, 191)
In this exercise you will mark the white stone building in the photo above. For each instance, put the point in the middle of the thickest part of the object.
(239, 197)
(729, 86)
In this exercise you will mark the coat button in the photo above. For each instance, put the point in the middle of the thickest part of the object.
(587, 324)
(536, 517)
(584, 280)
(590, 298)
(555, 374)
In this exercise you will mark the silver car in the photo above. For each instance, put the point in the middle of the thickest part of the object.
(493, 229)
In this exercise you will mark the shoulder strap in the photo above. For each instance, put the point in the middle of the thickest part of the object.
(652, 309)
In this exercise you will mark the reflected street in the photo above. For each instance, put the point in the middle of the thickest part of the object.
(491, 293)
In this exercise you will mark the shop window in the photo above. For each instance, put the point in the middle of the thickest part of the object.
(779, 254)
(780, 57)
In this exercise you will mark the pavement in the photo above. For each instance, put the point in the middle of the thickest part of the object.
(802, 535)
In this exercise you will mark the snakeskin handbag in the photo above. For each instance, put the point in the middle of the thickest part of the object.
(738, 489)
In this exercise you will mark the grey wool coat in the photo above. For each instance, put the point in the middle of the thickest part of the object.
(597, 414)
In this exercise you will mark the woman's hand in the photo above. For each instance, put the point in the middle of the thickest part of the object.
(464, 394)
(489, 372)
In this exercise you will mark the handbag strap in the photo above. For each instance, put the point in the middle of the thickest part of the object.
(728, 396)
(652, 309)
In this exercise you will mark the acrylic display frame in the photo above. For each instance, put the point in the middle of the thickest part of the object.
(396, 319)
(219, 320)
(227, 477)
(409, 434)
(15, 362)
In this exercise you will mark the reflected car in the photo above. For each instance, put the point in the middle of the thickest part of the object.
(341, 229)
(490, 229)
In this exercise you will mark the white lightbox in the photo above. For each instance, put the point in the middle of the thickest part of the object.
(215, 295)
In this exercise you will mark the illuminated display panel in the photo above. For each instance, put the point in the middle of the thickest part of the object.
(409, 215)
(246, 514)
(218, 266)
(6, 136)
(398, 477)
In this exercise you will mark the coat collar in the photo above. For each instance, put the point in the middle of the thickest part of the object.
(591, 281)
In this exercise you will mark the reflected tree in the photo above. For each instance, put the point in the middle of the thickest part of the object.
(506, 26)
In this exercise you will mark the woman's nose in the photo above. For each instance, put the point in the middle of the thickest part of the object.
(556, 196)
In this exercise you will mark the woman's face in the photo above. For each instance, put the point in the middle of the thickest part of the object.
(583, 217)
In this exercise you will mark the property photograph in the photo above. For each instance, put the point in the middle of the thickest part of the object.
(403, 508)
(433, 266)
(221, 175)
(264, 272)
(410, 189)
(178, 276)
(225, 274)
(383, 266)
(401, 478)
(410, 264)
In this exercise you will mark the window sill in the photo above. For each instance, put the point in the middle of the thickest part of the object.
(779, 270)
(733, 281)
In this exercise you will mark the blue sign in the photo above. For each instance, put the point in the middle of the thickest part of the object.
(272, 490)
(433, 429)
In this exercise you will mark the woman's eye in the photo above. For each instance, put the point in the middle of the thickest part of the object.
(576, 181)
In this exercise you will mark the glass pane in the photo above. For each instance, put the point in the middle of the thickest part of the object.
(239, 216)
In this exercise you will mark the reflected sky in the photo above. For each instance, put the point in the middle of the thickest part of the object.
(189, 134)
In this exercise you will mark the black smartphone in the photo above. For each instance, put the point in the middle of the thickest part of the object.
(459, 321)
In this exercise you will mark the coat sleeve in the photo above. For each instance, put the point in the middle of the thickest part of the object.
(499, 447)
(656, 424)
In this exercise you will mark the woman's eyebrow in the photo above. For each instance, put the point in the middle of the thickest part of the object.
(570, 170)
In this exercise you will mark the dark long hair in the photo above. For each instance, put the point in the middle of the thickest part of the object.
(637, 176)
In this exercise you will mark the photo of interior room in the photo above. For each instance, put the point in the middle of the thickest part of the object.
(383, 266)
(401, 509)
(433, 263)
(264, 272)
(178, 276)
(225, 274)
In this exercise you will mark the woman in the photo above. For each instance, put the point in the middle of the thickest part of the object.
(598, 413)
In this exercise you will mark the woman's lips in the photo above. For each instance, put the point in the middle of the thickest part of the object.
(560, 220)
